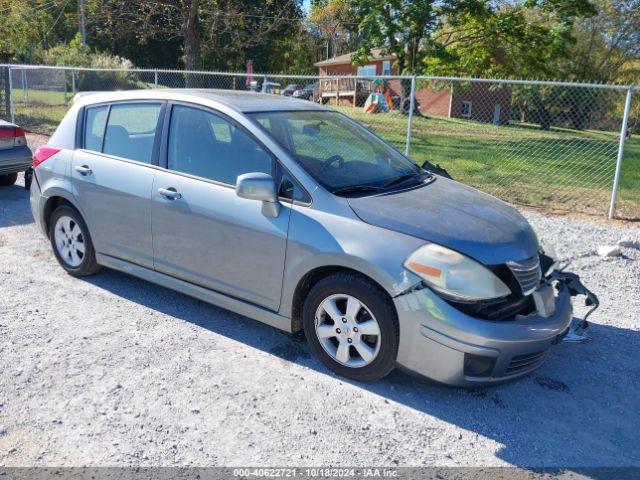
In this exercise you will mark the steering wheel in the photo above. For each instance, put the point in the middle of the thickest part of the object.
(331, 160)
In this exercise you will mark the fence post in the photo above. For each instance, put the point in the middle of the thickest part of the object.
(64, 82)
(73, 82)
(623, 134)
(407, 149)
(25, 95)
(264, 84)
(11, 107)
(155, 80)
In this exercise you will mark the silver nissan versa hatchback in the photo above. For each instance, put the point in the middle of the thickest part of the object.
(295, 215)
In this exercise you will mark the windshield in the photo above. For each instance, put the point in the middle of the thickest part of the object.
(338, 152)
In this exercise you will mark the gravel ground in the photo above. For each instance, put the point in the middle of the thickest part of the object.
(115, 371)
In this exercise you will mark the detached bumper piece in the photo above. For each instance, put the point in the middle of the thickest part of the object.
(576, 287)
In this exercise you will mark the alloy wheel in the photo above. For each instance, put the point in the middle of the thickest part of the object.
(69, 241)
(347, 330)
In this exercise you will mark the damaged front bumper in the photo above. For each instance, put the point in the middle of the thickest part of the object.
(442, 343)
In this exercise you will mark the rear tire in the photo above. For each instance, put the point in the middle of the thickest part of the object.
(71, 242)
(28, 178)
(359, 337)
(8, 180)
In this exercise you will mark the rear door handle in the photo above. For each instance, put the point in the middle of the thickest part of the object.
(83, 169)
(170, 193)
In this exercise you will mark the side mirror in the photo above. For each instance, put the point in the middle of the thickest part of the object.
(262, 187)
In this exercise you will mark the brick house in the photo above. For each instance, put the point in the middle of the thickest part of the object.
(478, 101)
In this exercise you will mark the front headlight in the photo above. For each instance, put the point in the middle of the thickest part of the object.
(455, 275)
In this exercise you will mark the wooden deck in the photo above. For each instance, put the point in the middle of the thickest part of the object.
(355, 90)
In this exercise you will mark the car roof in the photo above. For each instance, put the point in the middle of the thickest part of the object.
(239, 100)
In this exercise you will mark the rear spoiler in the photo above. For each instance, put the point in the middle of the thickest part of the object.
(80, 95)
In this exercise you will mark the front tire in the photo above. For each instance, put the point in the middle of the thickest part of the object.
(352, 327)
(71, 242)
(8, 180)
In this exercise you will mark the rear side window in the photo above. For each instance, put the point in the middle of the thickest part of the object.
(96, 120)
(131, 130)
(207, 145)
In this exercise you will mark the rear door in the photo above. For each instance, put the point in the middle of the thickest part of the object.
(203, 232)
(113, 176)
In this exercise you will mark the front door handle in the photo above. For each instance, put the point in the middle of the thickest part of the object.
(170, 193)
(83, 169)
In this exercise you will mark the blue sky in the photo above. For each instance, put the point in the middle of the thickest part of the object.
(306, 5)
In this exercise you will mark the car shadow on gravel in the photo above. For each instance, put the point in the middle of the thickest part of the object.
(578, 410)
(14, 206)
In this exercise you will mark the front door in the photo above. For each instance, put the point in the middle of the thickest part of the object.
(203, 232)
(113, 175)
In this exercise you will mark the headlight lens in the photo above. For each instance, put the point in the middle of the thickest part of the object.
(455, 275)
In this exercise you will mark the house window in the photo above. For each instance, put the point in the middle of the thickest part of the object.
(386, 67)
(465, 111)
(367, 71)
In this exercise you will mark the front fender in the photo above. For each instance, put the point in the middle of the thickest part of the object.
(319, 239)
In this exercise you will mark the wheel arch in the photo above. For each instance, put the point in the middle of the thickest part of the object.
(315, 275)
(54, 201)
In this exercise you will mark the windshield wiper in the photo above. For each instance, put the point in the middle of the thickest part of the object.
(357, 189)
(403, 178)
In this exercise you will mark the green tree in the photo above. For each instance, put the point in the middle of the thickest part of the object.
(333, 23)
(483, 38)
(607, 44)
(401, 27)
(211, 34)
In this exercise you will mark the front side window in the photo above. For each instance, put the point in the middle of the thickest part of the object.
(335, 150)
(207, 145)
(131, 130)
(290, 189)
(95, 121)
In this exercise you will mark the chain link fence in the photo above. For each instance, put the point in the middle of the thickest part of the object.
(5, 94)
(545, 144)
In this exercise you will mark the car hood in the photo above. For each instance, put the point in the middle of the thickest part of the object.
(455, 216)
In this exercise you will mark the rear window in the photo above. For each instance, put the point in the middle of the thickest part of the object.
(96, 120)
(126, 130)
(131, 130)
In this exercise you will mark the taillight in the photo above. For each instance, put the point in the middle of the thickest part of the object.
(12, 137)
(20, 139)
(42, 153)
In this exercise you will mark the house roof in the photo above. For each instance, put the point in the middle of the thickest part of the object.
(376, 54)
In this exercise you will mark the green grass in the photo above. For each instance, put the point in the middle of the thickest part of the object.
(46, 97)
(41, 119)
(560, 168)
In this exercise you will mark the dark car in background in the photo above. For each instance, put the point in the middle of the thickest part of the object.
(15, 155)
(289, 90)
(306, 92)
